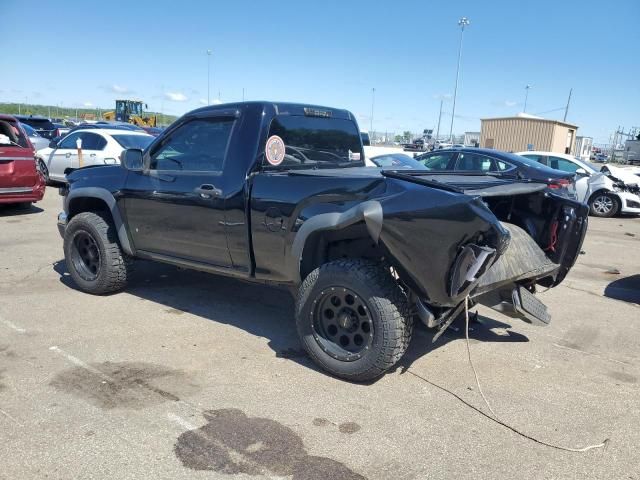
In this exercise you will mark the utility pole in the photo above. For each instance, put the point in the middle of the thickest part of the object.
(566, 110)
(209, 52)
(526, 97)
(463, 22)
(439, 118)
(243, 94)
(373, 98)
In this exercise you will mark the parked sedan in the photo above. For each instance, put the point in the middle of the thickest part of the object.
(397, 161)
(607, 190)
(97, 147)
(485, 160)
(20, 181)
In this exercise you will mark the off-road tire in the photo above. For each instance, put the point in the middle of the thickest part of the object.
(387, 308)
(598, 212)
(115, 265)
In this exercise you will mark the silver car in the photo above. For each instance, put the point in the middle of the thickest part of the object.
(37, 140)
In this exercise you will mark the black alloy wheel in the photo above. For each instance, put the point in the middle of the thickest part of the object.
(341, 323)
(85, 255)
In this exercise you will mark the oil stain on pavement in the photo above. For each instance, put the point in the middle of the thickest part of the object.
(233, 443)
(347, 427)
(129, 385)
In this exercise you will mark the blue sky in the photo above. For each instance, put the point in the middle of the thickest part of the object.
(333, 53)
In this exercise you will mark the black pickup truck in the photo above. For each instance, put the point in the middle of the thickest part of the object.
(278, 193)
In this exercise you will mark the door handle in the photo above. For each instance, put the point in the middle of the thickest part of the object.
(207, 191)
(67, 154)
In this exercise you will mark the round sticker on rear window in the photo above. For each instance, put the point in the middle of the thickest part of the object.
(275, 150)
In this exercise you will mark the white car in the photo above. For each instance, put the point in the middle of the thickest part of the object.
(98, 146)
(607, 191)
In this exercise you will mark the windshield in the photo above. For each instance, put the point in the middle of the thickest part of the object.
(590, 165)
(133, 141)
(318, 142)
(398, 161)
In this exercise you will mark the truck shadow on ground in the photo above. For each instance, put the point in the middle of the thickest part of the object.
(11, 210)
(626, 289)
(266, 311)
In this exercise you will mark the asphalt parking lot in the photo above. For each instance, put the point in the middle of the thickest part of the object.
(186, 375)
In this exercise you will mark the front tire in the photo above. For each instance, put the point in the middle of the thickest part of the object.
(353, 319)
(604, 205)
(93, 255)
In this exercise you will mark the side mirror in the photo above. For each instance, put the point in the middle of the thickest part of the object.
(582, 172)
(54, 143)
(131, 159)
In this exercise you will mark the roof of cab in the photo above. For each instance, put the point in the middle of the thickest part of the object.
(278, 108)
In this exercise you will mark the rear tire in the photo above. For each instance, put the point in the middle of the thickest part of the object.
(93, 255)
(604, 205)
(353, 319)
(42, 167)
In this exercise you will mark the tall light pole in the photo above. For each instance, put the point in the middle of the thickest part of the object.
(463, 22)
(526, 97)
(439, 118)
(373, 99)
(209, 52)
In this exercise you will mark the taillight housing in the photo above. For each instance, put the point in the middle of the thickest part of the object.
(558, 183)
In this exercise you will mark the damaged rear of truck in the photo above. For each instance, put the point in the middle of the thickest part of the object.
(370, 250)
(418, 246)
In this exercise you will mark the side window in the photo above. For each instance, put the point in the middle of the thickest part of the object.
(93, 141)
(503, 166)
(475, 162)
(563, 164)
(196, 146)
(70, 141)
(437, 161)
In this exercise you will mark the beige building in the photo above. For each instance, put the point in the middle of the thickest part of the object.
(526, 132)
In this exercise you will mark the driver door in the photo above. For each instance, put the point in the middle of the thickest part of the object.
(175, 206)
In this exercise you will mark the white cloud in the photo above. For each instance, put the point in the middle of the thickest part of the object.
(202, 101)
(87, 104)
(176, 96)
(217, 101)
(509, 103)
(119, 89)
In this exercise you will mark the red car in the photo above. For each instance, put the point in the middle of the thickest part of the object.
(20, 180)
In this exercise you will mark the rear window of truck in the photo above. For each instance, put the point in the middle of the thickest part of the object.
(39, 123)
(317, 142)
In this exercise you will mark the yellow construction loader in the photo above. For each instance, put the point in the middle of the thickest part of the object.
(130, 111)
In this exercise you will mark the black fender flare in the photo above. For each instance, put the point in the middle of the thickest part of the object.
(107, 197)
(369, 211)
